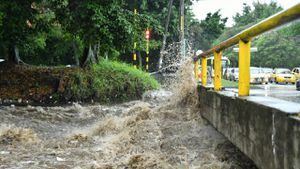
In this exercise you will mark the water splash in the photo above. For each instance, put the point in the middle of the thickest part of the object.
(14, 135)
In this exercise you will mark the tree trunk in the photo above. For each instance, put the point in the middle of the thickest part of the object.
(5, 53)
(106, 55)
(97, 51)
(165, 34)
(88, 57)
(13, 55)
(140, 60)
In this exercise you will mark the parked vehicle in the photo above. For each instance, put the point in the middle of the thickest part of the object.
(298, 85)
(225, 62)
(257, 76)
(296, 72)
(200, 73)
(234, 74)
(268, 72)
(282, 75)
(227, 73)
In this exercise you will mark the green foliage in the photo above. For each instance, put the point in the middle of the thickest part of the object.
(52, 48)
(23, 23)
(55, 32)
(106, 22)
(14, 28)
(157, 12)
(233, 84)
(249, 17)
(213, 25)
(261, 11)
(278, 48)
(111, 81)
(204, 33)
(1, 18)
(229, 84)
(21, 19)
(80, 86)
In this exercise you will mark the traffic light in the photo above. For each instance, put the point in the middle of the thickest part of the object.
(147, 34)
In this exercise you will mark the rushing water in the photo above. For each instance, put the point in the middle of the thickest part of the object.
(163, 130)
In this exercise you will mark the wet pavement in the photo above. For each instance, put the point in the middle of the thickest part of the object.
(279, 91)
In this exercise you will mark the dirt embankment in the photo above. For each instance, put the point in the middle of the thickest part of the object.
(105, 82)
(31, 84)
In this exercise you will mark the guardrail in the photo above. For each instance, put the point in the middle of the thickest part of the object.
(244, 41)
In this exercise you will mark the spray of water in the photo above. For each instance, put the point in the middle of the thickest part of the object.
(13, 135)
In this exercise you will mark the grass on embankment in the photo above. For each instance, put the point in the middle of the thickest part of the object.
(111, 81)
(229, 84)
(235, 84)
(106, 82)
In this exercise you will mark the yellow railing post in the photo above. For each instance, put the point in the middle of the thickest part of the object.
(244, 68)
(217, 71)
(204, 71)
(196, 68)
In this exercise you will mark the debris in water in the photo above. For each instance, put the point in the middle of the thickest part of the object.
(17, 135)
(78, 138)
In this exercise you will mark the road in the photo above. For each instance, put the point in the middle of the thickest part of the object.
(284, 92)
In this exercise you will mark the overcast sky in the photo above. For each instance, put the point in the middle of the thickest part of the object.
(230, 7)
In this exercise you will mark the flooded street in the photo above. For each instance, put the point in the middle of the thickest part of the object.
(163, 130)
(139, 134)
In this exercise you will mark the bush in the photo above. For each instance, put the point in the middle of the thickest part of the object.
(110, 81)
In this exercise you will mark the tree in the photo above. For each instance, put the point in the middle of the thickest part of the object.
(249, 17)
(18, 21)
(275, 49)
(245, 17)
(52, 32)
(104, 25)
(260, 11)
(166, 31)
(204, 33)
(162, 33)
(278, 48)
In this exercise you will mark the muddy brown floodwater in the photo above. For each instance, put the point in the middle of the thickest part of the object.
(163, 130)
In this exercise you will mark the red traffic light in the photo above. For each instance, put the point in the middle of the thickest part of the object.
(147, 34)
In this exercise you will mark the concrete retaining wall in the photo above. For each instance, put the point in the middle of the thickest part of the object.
(267, 135)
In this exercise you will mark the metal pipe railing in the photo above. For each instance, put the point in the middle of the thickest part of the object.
(244, 40)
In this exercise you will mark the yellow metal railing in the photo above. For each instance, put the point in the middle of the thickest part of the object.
(244, 41)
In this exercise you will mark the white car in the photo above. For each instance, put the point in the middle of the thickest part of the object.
(257, 76)
(268, 72)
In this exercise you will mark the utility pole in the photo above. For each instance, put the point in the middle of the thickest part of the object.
(147, 48)
(165, 34)
(181, 38)
(135, 38)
